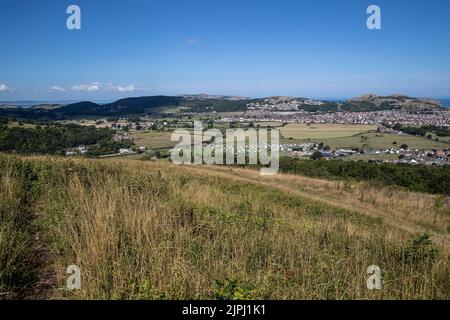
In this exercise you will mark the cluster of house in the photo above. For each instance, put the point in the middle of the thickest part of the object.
(282, 104)
(436, 118)
(332, 153)
(428, 157)
(125, 151)
(246, 148)
(291, 149)
(123, 136)
(81, 150)
(138, 125)
(76, 151)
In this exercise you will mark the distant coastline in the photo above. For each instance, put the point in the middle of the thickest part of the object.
(30, 103)
(445, 103)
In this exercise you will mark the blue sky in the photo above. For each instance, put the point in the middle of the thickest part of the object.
(256, 48)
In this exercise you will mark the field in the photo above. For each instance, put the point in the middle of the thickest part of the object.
(265, 124)
(229, 114)
(152, 230)
(158, 140)
(15, 124)
(445, 139)
(323, 131)
(354, 136)
(154, 140)
(384, 140)
(169, 110)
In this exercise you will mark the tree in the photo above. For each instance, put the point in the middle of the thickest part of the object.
(316, 156)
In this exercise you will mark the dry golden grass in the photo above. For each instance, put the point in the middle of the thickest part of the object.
(411, 211)
(150, 230)
(17, 266)
(154, 140)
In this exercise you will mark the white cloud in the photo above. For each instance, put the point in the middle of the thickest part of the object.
(193, 40)
(125, 88)
(90, 87)
(3, 87)
(98, 86)
(57, 89)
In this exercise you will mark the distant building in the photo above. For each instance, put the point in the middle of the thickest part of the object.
(326, 154)
(124, 151)
(344, 152)
(82, 149)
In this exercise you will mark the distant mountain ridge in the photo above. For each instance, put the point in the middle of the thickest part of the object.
(212, 97)
(209, 103)
(135, 105)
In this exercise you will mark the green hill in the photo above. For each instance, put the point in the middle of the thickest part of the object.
(373, 102)
(153, 230)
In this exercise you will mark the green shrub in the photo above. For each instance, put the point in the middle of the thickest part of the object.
(233, 289)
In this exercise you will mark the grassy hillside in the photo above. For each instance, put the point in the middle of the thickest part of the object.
(418, 178)
(142, 230)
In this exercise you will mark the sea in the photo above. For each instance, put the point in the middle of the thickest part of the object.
(31, 103)
(445, 102)
(27, 104)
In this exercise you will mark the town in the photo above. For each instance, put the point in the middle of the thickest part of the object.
(435, 118)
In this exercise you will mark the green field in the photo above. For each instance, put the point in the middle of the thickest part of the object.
(322, 131)
(169, 110)
(338, 136)
(353, 136)
(383, 140)
(445, 139)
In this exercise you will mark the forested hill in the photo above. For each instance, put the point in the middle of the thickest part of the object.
(371, 102)
(120, 107)
(128, 106)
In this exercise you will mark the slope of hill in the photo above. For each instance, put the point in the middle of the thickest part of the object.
(153, 230)
(373, 102)
(120, 107)
(129, 106)
(205, 96)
